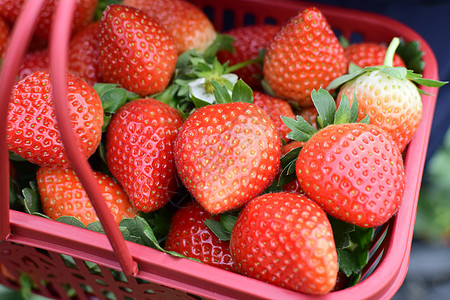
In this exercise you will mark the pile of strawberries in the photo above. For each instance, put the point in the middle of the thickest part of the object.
(267, 153)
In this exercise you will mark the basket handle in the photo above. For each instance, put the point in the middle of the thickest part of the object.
(59, 40)
(19, 39)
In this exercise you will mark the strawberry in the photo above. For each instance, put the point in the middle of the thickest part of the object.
(4, 36)
(188, 235)
(84, 54)
(285, 239)
(249, 41)
(63, 195)
(135, 51)
(32, 130)
(354, 171)
(34, 61)
(275, 108)
(188, 25)
(84, 11)
(242, 133)
(139, 151)
(367, 54)
(227, 153)
(387, 95)
(304, 55)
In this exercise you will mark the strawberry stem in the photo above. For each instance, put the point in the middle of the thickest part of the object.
(240, 65)
(389, 57)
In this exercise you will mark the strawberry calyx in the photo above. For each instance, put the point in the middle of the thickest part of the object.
(398, 72)
(302, 130)
(112, 96)
(222, 228)
(195, 80)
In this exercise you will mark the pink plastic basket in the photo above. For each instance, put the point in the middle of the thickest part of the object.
(36, 246)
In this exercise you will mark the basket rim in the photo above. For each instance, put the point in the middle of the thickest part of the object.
(382, 283)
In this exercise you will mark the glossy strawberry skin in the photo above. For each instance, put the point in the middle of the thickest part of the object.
(34, 61)
(226, 154)
(139, 151)
(63, 195)
(32, 130)
(285, 239)
(84, 54)
(275, 108)
(188, 235)
(392, 104)
(354, 172)
(249, 41)
(304, 55)
(135, 51)
(367, 54)
(188, 25)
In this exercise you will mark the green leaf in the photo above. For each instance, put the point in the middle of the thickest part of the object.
(95, 226)
(398, 72)
(139, 228)
(429, 82)
(301, 130)
(353, 258)
(334, 84)
(71, 221)
(341, 232)
(221, 93)
(325, 105)
(26, 285)
(343, 113)
(290, 156)
(411, 55)
(112, 96)
(217, 228)
(242, 92)
(221, 42)
(354, 110)
(353, 68)
(15, 157)
(31, 198)
(102, 4)
(227, 221)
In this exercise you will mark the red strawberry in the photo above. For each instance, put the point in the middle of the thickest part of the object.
(354, 171)
(304, 55)
(226, 154)
(388, 96)
(367, 54)
(4, 36)
(63, 195)
(286, 239)
(135, 51)
(188, 235)
(249, 41)
(188, 25)
(84, 54)
(84, 11)
(34, 61)
(139, 151)
(275, 108)
(32, 130)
